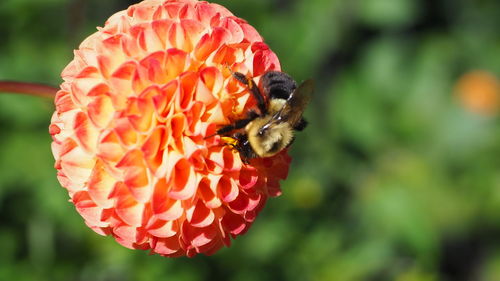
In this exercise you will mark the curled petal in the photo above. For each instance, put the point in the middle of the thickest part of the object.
(196, 236)
(101, 185)
(227, 189)
(167, 246)
(88, 209)
(86, 134)
(233, 223)
(127, 208)
(208, 195)
(164, 206)
(100, 111)
(200, 216)
(163, 228)
(184, 181)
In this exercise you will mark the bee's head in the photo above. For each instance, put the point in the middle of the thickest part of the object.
(267, 139)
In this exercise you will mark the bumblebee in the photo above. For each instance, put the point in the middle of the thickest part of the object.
(269, 130)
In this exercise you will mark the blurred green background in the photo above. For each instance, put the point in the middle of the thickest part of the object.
(395, 179)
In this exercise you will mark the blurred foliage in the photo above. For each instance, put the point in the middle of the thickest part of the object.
(395, 179)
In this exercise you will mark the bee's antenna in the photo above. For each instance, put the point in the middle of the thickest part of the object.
(211, 136)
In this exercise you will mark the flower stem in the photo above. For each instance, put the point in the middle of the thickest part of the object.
(34, 89)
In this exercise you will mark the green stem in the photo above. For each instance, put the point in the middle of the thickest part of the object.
(34, 89)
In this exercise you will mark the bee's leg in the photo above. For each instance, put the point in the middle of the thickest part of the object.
(238, 124)
(254, 89)
(242, 78)
(244, 148)
(240, 145)
(240, 138)
(301, 125)
(231, 127)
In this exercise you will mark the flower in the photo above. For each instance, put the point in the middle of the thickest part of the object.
(479, 92)
(132, 120)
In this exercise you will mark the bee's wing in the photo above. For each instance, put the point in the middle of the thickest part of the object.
(295, 105)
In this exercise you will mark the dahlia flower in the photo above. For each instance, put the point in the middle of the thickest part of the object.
(132, 120)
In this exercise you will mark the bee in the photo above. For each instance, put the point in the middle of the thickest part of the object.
(280, 104)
